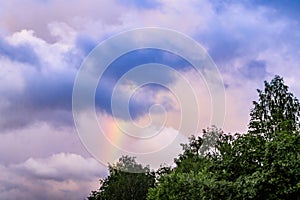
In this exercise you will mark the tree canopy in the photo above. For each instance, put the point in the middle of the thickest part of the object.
(276, 110)
(263, 163)
(127, 180)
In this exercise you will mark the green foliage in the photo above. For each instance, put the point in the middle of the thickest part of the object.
(276, 110)
(192, 185)
(127, 180)
(196, 152)
(262, 164)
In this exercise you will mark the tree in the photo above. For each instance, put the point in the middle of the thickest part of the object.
(196, 152)
(261, 164)
(265, 163)
(192, 178)
(276, 110)
(127, 180)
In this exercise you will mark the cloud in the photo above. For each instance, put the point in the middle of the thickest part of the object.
(255, 69)
(46, 91)
(233, 32)
(140, 4)
(60, 176)
(235, 39)
(288, 9)
(39, 140)
(79, 15)
(21, 53)
(123, 66)
(42, 92)
(85, 43)
(61, 167)
(151, 145)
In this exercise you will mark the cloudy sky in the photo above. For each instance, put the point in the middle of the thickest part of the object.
(44, 42)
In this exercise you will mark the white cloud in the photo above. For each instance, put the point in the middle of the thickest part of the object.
(60, 176)
(51, 55)
(61, 167)
(9, 73)
(36, 15)
(38, 140)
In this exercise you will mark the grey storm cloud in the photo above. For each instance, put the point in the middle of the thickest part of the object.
(138, 106)
(255, 69)
(21, 53)
(48, 96)
(44, 98)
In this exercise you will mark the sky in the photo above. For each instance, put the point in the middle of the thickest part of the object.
(45, 43)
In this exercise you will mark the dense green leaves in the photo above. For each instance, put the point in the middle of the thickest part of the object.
(262, 164)
(127, 180)
(276, 110)
(192, 185)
